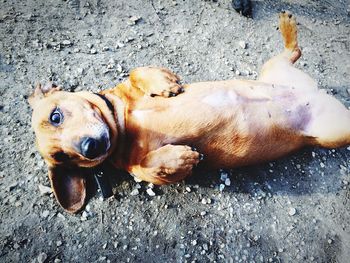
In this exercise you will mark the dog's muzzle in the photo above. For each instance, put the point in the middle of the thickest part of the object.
(92, 148)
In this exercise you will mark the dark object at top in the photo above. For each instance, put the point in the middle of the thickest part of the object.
(243, 6)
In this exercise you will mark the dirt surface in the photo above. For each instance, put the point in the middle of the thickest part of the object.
(292, 210)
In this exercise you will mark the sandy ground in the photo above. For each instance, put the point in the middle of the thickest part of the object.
(292, 210)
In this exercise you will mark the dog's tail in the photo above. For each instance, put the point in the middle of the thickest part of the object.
(288, 28)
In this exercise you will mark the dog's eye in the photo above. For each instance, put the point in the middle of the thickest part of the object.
(56, 117)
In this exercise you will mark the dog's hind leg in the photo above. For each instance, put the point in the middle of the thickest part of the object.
(329, 125)
(280, 69)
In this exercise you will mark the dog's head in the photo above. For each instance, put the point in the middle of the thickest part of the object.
(73, 131)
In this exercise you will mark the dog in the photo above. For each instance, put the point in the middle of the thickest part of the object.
(159, 130)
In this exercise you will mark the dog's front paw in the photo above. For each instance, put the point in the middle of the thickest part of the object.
(156, 81)
(181, 160)
(165, 83)
(168, 90)
(168, 164)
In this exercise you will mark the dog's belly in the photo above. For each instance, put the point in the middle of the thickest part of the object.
(232, 123)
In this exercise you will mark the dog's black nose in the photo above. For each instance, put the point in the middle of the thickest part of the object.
(93, 147)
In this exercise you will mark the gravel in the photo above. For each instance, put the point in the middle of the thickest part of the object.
(252, 219)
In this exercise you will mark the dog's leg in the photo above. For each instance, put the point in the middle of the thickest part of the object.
(330, 122)
(155, 81)
(168, 164)
(280, 69)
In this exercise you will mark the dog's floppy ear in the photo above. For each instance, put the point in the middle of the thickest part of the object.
(69, 187)
(41, 91)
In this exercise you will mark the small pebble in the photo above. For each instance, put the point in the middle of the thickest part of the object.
(242, 44)
(80, 71)
(119, 70)
(227, 182)
(93, 51)
(188, 189)
(45, 213)
(84, 216)
(137, 180)
(221, 187)
(135, 19)
(134, 192)
(119, 45)
(42, 257)
(59, 215)
(292, 211)
(205, 246)
(66, 42)
(223, 176)
(150, 192)
(203, 213)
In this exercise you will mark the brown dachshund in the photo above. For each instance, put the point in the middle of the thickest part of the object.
(158, 130)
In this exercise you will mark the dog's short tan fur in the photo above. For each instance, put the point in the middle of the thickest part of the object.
(159, 138)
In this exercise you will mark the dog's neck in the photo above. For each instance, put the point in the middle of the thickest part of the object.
(118, 109)
(107, 101)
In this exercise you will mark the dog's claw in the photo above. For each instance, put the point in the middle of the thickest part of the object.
(201, 156)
